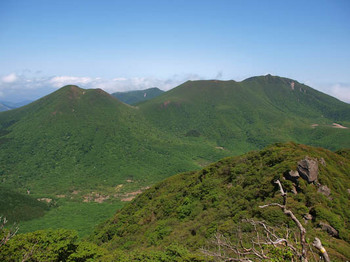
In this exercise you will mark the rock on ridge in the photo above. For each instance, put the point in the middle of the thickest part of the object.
(308, 169)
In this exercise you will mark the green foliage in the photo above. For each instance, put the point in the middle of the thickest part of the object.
(280, 254)
(190, 208)
(49, 245)
(82, 217)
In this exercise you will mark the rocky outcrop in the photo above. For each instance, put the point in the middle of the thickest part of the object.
(329, 229)
(308, 169)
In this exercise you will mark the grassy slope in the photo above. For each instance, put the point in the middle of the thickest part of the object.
(136, 96)
(189, 208)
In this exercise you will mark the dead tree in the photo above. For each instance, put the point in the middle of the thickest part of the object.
(266, 236)
(303, 255)
(263, 237)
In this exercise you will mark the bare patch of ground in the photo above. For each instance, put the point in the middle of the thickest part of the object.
(61, 196)
(131, 195)
(314, 125)
(45, 199)
(335, 125)
(95, 197)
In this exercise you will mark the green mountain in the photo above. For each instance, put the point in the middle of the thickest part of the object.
(136, 96)
(190, 208)
(251, 114)
(77, 139)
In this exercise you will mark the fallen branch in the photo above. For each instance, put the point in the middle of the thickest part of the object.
(317, 244)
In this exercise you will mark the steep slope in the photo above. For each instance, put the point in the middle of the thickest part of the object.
(190, 208)
(79, 139)
(136, 96)
(252, 113)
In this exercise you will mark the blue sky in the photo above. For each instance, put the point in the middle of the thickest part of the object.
(125, 45)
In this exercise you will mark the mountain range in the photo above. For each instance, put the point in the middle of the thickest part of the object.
(76, 146)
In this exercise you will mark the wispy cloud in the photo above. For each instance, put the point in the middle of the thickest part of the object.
(9, 78)
(59, 81)
(31, 86)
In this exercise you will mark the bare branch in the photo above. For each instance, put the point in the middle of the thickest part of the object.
(294, 218)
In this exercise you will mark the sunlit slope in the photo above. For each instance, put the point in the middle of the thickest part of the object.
(252, 113)
(76, 138)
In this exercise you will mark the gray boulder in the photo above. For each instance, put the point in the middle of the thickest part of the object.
(308, 169)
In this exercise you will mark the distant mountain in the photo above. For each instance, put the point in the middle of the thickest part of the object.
(4, 105)
(136, 96)
(251, 114)
(185, 211)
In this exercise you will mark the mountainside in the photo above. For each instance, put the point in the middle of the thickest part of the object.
(251, 114)
(78, 139)
(136, 96)
(190, 208)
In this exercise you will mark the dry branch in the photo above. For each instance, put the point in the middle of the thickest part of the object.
(288, 212)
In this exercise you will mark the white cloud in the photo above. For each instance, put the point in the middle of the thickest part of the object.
(59, 81)
(9, 78)
(31, 86)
